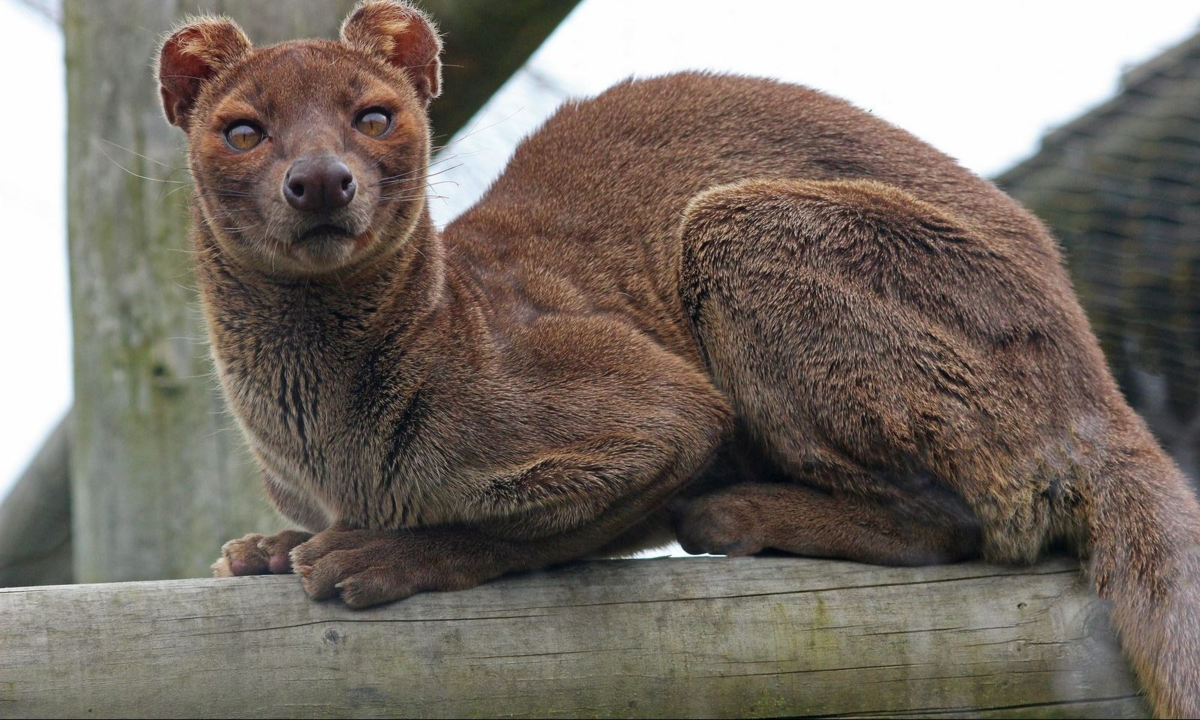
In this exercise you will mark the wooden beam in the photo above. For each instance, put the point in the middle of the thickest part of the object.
(765, 637)
(35, 518)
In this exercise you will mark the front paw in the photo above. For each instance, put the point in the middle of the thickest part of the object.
(368, 567)
(257, 554)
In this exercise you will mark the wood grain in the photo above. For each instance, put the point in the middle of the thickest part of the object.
(753, 637)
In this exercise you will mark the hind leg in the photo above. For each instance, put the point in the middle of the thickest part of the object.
(837, 319)
(751, 517)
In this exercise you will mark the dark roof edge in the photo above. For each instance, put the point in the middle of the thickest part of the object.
(1131, 79)
(1161, 63)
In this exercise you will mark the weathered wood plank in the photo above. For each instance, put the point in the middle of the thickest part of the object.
(674, 637)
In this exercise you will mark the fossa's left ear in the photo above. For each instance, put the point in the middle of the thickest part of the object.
(401, 35)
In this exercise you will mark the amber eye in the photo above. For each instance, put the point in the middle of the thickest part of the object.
(373, 122)
(243, 136)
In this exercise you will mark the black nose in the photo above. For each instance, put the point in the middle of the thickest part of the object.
(319, 184)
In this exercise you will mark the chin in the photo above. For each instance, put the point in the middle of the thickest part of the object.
(324, 253)
(293, 261)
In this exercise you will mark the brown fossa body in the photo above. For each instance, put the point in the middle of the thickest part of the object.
(730, 310)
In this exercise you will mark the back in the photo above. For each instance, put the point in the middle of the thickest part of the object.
(605, 181)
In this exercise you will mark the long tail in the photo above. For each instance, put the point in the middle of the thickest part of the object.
(1143, 528)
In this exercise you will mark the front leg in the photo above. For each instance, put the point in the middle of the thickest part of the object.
(256, 554)
(560, 507)
(368, 567)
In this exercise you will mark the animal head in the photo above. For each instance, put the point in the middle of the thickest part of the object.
(310, 155)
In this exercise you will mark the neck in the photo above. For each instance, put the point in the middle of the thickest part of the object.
(394, 290)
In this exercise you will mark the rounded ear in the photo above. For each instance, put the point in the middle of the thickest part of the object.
(191, 56)
(402, 36)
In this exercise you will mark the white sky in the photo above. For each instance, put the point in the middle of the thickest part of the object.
(980, 80)
(35, 359)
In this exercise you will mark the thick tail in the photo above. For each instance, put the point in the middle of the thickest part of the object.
(1143, 527)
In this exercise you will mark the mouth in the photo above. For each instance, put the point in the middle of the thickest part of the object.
(324, 246)
(326, 231)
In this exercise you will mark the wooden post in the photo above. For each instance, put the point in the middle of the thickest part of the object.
(702, 637)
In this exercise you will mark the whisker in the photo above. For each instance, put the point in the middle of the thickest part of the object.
(397, 179)
(413, 196)
(134, 152)
(435, 163)
(142, 177)
(444, 170)
(172, 192)
(479, 130)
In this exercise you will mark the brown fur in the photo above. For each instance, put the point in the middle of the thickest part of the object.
(748, 303)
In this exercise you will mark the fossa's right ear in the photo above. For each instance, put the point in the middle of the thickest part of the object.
(191, 56)
(400, 35)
